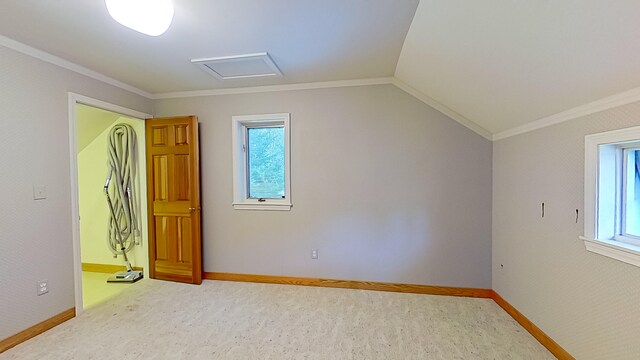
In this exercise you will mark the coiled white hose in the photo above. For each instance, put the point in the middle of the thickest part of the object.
(121, 161)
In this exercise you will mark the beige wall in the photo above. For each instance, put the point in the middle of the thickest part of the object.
(35, 236)
(387, 189)
(94, 212)
(588, 303)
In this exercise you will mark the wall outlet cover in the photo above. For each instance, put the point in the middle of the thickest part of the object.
(43, 287)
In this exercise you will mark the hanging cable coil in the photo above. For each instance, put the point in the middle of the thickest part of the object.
(121, 159)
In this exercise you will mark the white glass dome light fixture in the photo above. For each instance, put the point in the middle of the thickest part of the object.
(150, 17)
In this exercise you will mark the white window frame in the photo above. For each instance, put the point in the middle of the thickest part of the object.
(603, 189)
(240, 124)
(621, 217)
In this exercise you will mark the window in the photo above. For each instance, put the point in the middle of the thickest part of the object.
(261, 162)
(630, 226)
(612, 194)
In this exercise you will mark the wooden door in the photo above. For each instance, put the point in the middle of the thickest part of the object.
(173, 186)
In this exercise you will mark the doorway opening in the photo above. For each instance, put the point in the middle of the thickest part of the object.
(96, 256)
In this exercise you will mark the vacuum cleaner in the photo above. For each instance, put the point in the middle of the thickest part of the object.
(130, 275)
(122, 222)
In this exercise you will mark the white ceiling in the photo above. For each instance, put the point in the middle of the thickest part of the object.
(310, 40)
(502, 64)
(499, 64)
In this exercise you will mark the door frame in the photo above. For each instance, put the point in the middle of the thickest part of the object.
(75, 99)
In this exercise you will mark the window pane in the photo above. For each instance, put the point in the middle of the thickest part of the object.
(265, 162)
(632, 214)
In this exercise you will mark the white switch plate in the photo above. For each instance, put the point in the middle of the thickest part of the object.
(314, 253)
(43, 287)
(39, 192)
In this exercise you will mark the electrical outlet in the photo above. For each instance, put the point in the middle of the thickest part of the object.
(43, 287)
(314, 254)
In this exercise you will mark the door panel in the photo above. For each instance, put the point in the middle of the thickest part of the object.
(181, 166)
(160, 178)
(162, 230)
(174, 199)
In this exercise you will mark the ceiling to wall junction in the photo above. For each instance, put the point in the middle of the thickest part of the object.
(497, 64)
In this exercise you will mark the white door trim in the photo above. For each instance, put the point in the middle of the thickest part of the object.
(75, 99)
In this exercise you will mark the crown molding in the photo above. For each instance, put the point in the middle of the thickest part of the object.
(623, 98)
(52, 59)
(609, 102)
(272, 88)
(335, 84)
(443, 109)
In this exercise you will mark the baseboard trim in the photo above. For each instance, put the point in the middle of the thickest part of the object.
(351, 284)
(106, 268)
(535, 331)
(36, 329)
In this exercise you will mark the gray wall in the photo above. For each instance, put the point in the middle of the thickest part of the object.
(588, 303)
(35, 236)
(387, 189)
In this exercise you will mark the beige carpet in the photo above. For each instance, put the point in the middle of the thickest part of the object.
(227, 320)
(96, 290)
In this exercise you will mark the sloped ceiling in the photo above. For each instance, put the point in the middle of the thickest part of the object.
(492, 65)
(502, 64)
(310, 40)
(91, 122)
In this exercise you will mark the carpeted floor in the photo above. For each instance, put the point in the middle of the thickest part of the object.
(96, 290)
(227, 320)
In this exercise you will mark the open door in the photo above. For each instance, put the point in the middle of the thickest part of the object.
(173, 186)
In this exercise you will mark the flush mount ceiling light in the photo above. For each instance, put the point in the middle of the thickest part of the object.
(150, 17)
(239, 66)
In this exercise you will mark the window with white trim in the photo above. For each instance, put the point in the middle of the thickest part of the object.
(630, 194)
(261, 162)
(612, 194)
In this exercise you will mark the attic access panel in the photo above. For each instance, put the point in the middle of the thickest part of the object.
(239, 66)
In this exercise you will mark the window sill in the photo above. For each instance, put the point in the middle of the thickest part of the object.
(267, 207)
(620, 251)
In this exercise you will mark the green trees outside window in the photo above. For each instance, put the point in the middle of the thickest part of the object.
(266, 172)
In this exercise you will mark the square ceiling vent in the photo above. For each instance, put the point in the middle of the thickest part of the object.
(239, 66)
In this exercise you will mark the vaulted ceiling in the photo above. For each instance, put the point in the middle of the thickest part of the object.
(499, 64)
(310, 40)
(503, 64)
